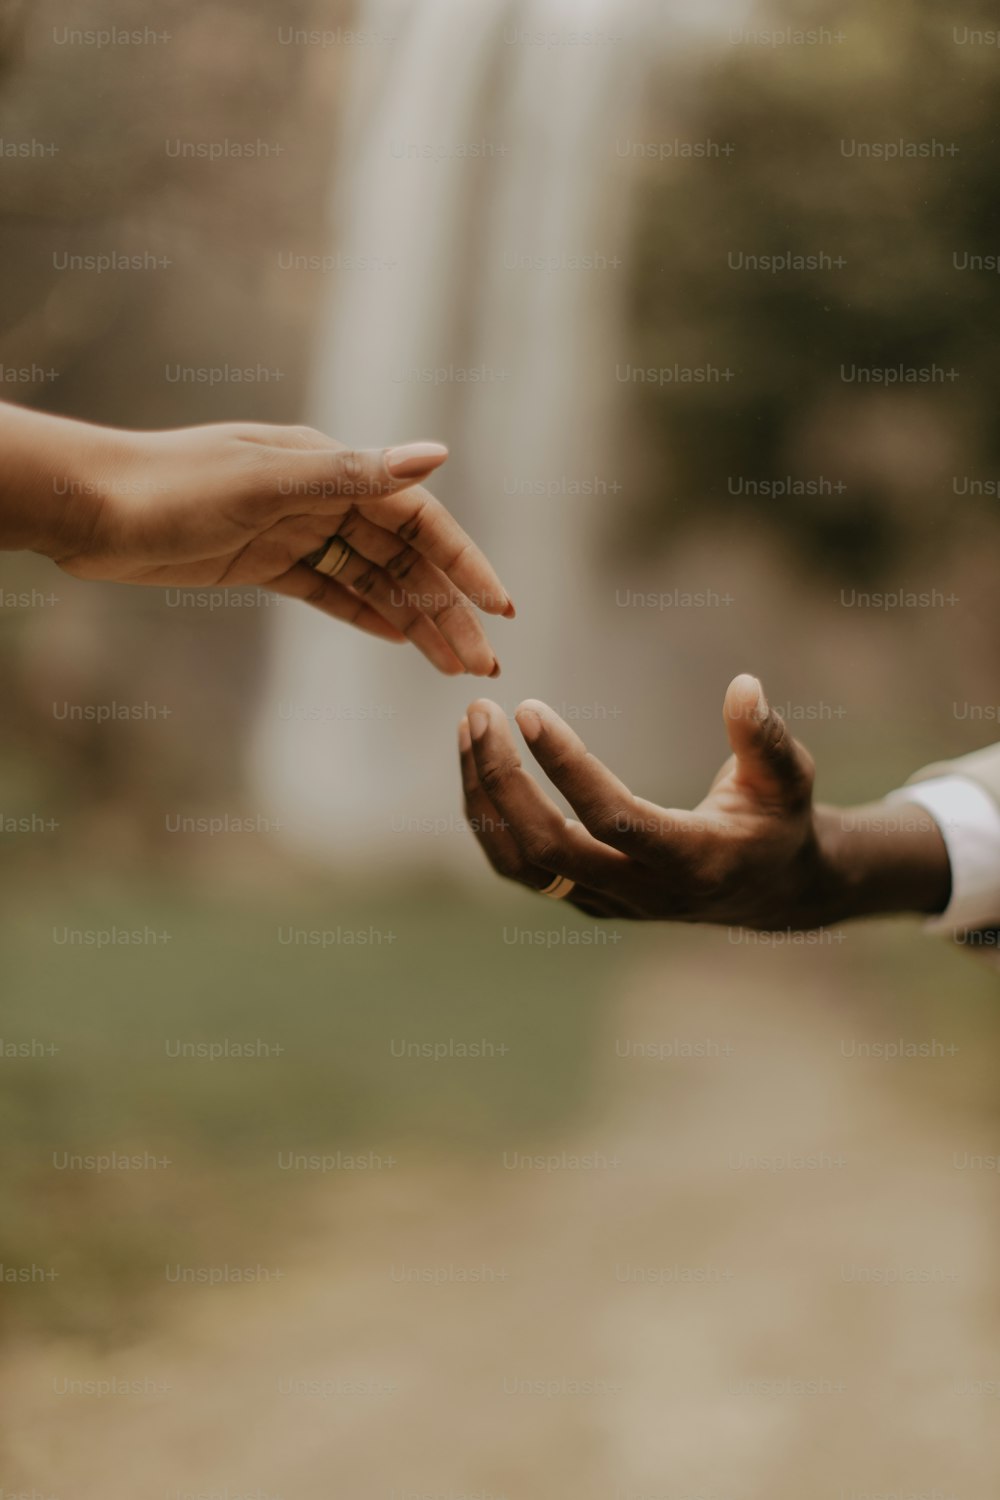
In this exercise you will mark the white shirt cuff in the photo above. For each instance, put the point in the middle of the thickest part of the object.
(969, 821)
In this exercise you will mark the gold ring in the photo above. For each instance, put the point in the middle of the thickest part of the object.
(331, 558)
(559, 889)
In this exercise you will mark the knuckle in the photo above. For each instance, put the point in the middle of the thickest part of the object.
(402, 564)
(351, 470)
(612, 823)
(540, 848)
(365, 581)
(562, 763)
(773, 734)
(416, 628)
(412, 526)
(496, 775)
(443, 609)
(461, 552)
(348, 525)
(401, 598)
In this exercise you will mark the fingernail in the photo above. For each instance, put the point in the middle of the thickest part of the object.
(510, 611)
(529, 723)
(413, 459)
(478, 723)
(496, 668)
(464, 736)
(762, 706)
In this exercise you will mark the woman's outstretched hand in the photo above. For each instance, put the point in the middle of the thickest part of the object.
(237, 505)
(756, 852)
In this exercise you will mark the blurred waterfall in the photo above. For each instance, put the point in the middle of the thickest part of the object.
(468, 145)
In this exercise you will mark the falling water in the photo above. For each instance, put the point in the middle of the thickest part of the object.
(468, 145)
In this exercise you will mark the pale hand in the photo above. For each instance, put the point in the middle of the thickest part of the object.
(238, 504)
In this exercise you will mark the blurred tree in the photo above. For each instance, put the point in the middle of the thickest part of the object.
(890, 234)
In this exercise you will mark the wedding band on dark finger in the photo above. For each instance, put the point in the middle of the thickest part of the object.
(559, 889)
(331, 558)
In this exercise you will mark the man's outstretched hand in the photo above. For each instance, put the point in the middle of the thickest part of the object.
(240, 504)
(756, 852)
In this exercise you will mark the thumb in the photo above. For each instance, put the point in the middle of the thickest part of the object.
(768, 760)
(336, 473)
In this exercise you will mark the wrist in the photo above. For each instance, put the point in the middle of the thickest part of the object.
(55, 481)
(881, 860)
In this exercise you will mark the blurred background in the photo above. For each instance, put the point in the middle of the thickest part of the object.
(329, 1164)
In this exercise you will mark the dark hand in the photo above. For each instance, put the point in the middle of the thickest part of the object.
(755, 853)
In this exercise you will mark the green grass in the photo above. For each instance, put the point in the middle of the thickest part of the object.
(450, 973)
(447, 974)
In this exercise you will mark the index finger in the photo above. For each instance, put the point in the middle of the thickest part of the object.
(605, 806)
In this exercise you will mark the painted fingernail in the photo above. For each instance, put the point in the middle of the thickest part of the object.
(529, 723)
(413, 459)
(464, 736)
(478, 723)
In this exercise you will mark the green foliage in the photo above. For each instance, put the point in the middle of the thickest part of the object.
(792, 186)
